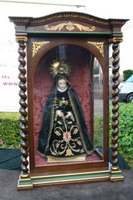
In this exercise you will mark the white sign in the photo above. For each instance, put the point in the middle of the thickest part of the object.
(9, 89)
(9, 100)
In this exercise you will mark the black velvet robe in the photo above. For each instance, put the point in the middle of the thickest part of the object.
(54, 139)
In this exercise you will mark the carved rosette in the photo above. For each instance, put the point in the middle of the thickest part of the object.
(115, 104)
(23, 107)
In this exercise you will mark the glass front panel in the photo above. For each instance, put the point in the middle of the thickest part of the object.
(63, 107)
(98, 106)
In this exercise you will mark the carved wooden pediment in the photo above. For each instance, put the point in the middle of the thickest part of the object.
(67, 22)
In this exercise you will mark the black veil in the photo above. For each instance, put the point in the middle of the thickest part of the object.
(49, 114)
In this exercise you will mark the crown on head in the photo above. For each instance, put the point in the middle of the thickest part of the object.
(60, 67)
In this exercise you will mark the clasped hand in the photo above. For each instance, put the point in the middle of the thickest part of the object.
(61, 114)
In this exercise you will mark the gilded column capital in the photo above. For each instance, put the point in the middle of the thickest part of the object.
(116, 40)
(21, 39)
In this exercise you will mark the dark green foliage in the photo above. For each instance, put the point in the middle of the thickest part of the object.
(9, 130)
(125, 131)
(98, 130)
(127, 74)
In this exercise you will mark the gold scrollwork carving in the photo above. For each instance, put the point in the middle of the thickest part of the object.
(99, 46)
(116, 40)
(69, 26)
(36, 46)
(21, 38)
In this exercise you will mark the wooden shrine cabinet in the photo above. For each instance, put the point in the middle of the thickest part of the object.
(82, 41)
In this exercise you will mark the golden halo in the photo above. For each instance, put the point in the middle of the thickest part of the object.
(60, 67)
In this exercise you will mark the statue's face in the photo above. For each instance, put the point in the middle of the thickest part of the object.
(62, 84)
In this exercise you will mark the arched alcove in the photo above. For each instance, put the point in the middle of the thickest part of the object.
(81, 78)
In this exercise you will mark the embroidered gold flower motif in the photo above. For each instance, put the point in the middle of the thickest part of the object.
(79, 142)
(57, 133)
(69, 152)
(63, 102)
(67, 136)
(59, 122)
(75, 131)
(57, 145)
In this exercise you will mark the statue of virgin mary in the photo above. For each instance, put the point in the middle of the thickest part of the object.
(63, 135)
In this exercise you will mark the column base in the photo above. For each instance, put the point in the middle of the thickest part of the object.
(64, 179)
(116, 175)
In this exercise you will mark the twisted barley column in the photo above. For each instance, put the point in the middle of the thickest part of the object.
(115, 100)
(23, 112)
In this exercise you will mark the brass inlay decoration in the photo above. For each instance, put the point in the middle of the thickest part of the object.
(99, 46)
(21, 38)
(36, 46)
(70, 26)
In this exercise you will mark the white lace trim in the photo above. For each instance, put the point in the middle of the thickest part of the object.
(60, 90)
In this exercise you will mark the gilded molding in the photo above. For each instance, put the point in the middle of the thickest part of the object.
(116, 40)
(71, 180)
(25, 186)
(21, 38)
(19, 20)
(36, 46)
(117, 22)
(70, 26)
(71, 174)
(99, 46)
(70, 15)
